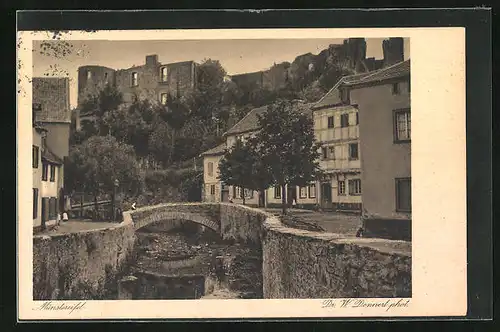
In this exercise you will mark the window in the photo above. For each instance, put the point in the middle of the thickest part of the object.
(52, 208)
(106, 77)
(331, 122)
(52, 173)
(164, 98)
(403, 194)
(331, 152)
(312, 191)
(341, 188)
(344, 120)
(36, 156)
(237, 193)
(212, 189)
(357, 118)
(277, 192)
(395, 89)
(355, 187)
(134, 79)
(248, 193)
(353, 151)
(89, 75)
(35, 203)
(303, 192)
(164, 74)
(344, 95)
(402, 126)
(210, 169)
(324, 152)
(45, 171)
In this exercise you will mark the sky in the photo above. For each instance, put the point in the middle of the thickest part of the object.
(236, 56)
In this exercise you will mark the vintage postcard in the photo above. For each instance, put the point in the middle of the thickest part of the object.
(253, 173)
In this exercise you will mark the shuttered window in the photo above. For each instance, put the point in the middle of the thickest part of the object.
(35, 203)
(52, 173)
(403, 194)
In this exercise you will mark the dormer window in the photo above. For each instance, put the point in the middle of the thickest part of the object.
(164, 74)
(89, 74)
(344, 95)
(134, 79)
(106, 77)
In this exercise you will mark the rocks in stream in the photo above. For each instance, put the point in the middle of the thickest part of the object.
(236, 267)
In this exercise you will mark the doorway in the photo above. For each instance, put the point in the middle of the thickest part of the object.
(45, 211)
(225, 195)
(291, 195)
(262, 198)
(326, 195)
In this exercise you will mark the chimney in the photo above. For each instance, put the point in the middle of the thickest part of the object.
(393, 49)
(151, 60)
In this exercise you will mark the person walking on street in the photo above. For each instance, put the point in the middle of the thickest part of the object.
(65, 216)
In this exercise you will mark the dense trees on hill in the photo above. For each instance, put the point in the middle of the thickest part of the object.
(168, 136)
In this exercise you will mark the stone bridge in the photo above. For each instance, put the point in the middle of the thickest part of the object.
(207, 215)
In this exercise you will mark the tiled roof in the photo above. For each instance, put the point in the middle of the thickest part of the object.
(397, 70)
(52, 95)
(332, 97)
(250, 122)
(219, 149)
(51, 157)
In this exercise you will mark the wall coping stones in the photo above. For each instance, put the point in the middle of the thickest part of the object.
(270, 223)
(273, 223)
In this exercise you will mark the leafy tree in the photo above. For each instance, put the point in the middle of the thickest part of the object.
(158, 142)
(93, 166)
(175, 113)
(131, 124)
(287, 145)
(242, 166)
(210, 73)
(235, 167)
(107, 100)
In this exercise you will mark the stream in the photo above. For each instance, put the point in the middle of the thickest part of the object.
(184, 260)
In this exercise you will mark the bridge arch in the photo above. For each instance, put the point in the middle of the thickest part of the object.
(177, 215)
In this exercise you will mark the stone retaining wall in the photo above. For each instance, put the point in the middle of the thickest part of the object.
(305, 264)
(296, 263)
(80, 265)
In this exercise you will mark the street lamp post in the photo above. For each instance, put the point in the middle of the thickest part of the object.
(115, 187)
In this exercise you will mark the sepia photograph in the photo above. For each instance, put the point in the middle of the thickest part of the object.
(222, 169)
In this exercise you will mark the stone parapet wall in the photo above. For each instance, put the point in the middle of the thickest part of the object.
(80, 265)
(304, 264)
(295, 264)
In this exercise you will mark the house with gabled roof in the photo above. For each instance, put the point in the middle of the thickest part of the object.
(214, 191)
(384, 108)
(52, 121)
(336, 125)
